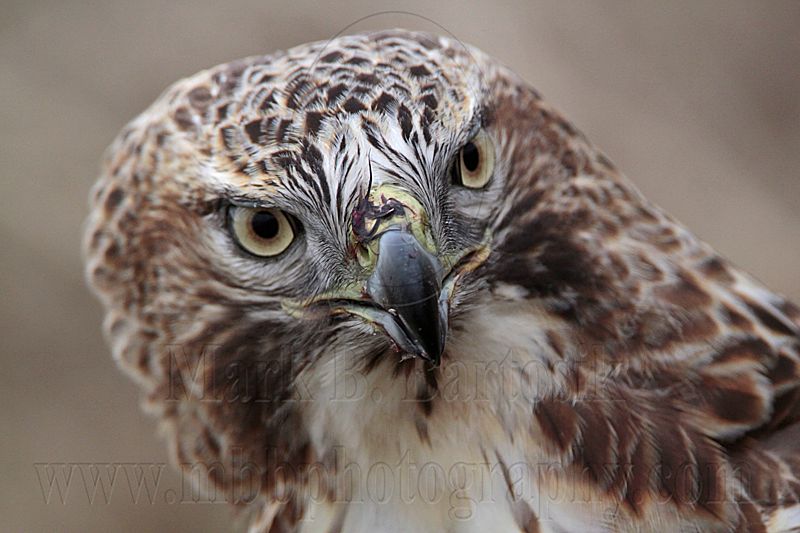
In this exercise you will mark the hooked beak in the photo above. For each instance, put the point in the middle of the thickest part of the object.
(407, 283)
(409, 288)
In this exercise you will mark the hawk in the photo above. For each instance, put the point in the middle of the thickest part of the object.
(379, 284)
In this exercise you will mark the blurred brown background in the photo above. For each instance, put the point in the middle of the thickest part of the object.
(698, 102)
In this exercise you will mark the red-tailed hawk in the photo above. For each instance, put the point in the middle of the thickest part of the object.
(378, 284)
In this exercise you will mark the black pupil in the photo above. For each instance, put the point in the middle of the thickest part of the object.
(265, 225)
(471, 157)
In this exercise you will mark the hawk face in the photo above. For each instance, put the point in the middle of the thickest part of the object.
(371, 221)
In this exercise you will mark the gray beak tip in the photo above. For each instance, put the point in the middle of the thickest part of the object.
(407, 282)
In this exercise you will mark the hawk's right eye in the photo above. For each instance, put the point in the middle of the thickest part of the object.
(475, 163)
(262, 232)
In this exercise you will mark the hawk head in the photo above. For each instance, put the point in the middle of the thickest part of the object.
(350, 199)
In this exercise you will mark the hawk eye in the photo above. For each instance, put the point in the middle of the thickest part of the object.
(262, 232)
(475, 163)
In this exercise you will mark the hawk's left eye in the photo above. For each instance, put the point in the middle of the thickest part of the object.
(475, 162)
(262, 232)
